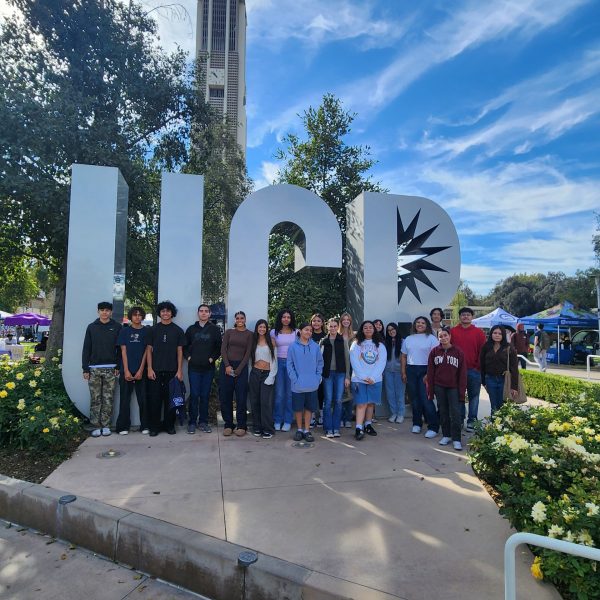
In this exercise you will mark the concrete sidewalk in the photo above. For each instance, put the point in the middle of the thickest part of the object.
(36, 566)
(396, 513)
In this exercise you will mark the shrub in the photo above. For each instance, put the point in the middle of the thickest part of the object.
(544, 462)
(558, 388)
(35, 411)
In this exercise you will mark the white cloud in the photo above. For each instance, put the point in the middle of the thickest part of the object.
(315, 23)
(268, 174)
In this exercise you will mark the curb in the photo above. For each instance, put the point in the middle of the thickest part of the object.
(187, 558)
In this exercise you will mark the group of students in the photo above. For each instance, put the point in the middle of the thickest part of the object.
(312, 373)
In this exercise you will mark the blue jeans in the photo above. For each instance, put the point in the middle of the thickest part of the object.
(282, 407)
(200, 384)
(473, 389)
(418, 397)
(333, 390)
(494, 384)
(394, 392)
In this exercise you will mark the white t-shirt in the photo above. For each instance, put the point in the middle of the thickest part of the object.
(417, 348)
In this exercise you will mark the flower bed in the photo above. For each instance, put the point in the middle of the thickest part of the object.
(544, 463)
(35, 411)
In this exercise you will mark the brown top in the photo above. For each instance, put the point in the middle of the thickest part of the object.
(236, 347)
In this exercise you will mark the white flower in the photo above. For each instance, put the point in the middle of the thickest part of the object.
(536, 458)
(592, 509)
(518, 443)
(555, 531)
(585, 538)
(569, 537)
(538, 512)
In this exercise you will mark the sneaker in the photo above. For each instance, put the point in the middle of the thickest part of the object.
(171, 431)
(240, 432)
(430, 434)
(96, 433)
(257, 433)
(153, 433)
(266, 435)
(370, 430)
(298, 436)
(400, 419)
(348, 424)
(374, 419)
(286, 427)
(227, 431)
(359, 434)
(445, 441)
(457, 445)
(191, 428)
(320, 421)
(308, 437)
(206, 428)
(106, 431)
(470, 427)
(124, 432)
(415, 429)
(145, 431)
(313, 421)
(329, 434)
(336, 434)
(277, 426)
(392, 418)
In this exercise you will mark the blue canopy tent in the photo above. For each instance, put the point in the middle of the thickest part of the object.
(562, 316)
(496, 317)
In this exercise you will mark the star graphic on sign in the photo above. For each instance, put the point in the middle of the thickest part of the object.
(411, 257)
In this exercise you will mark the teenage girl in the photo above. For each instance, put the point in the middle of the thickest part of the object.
(283, 335)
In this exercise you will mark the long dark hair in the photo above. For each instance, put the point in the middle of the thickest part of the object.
(360, 336)
(279, 325)
(490, 342)
(388, 341)
(267, 339)
(428, 330)
(382, 326)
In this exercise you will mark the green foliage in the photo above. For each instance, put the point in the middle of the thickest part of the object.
(35, 411)
(18, 282)
(545, 464)
(558, 388)
(324, 163)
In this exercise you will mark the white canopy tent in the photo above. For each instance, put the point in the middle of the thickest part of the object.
(496, 317)
(4, 314)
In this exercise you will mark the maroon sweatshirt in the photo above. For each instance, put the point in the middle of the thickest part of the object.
(447, 368)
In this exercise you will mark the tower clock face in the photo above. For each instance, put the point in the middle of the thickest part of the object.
(216, 76)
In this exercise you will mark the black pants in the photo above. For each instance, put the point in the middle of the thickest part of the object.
(227, 386)
(261, 401)
(126, 388)
(159, 398)
(522, 363)
(449, 407)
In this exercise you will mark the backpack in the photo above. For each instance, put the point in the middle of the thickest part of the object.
(543, 340)
(177, 398)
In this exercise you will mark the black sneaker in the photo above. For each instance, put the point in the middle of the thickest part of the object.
(308, 437)
(360, 434)
(266, 435)
(370, 430)
(257, 433)
(298, 436)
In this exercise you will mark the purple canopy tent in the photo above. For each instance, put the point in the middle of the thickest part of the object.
(27, 319)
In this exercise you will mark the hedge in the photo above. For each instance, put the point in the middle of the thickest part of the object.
(558, 388)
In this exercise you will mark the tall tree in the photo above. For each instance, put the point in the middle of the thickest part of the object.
(84, 81)
(323, 162)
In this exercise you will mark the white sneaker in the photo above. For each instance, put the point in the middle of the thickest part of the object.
(445, 441)
(457, 445)
(277, 426)
(415, 429)
(124, 432)
(286, 427)
(106, 431)
(96, 433)
(336, 434)
(145, 431)
(392, 418)
(430, 434)
(400, 419)
(348, 424)
(329, 434)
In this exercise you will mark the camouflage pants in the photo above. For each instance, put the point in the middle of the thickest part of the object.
(102, 384)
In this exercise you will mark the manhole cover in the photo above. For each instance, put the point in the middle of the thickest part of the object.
(110, 453)
(303, 445)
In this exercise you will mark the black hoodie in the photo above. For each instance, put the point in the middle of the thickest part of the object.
(201, 344)
(100, 344)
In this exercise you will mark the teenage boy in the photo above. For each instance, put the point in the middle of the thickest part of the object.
(99, 363)
(202, 349)
(132, 343)
(541, 343)
(470, 340)
(164, 356)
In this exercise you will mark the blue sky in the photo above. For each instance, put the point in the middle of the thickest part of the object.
(491, 109)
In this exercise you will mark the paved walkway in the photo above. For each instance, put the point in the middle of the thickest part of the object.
(397, 513)
(35, 566)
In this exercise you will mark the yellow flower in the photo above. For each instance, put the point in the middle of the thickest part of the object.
(54, 359)
(33, 383)
(38, 408)
(536, 568)
(10, 385)
(38, 393)
(42, 360)
(32, 418)
(3, 393)
(37, 372)
(19, 376)
(45, 430)
(21, 404)
(533, 421)
(75, 420)
(521, 474)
